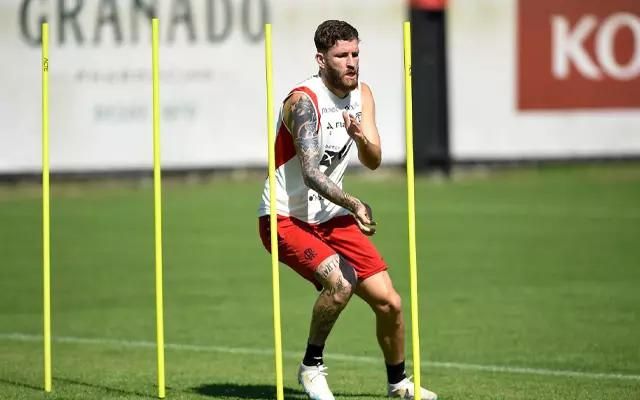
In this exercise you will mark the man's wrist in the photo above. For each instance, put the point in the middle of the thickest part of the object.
(352, 203)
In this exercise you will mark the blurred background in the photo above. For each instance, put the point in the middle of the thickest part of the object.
(527, 143)
(493, 80)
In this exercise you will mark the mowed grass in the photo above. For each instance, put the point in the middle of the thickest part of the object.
(534, 268)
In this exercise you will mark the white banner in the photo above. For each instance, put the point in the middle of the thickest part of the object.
(559, 115)
(212, 78)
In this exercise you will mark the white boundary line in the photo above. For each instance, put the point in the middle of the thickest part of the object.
(22, 337)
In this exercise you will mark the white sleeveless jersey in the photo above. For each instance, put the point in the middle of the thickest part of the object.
(293, 197)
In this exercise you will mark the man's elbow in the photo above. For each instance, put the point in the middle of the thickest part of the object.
(372, 162)
(373, 165)
(309, 180)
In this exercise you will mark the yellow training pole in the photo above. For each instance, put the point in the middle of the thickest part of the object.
(415, 330)
(46, 254)
(157, 191)
(273, 215)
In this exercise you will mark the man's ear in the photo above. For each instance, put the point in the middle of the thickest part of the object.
(320, 59)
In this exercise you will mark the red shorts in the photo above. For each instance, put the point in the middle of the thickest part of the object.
(304, 246)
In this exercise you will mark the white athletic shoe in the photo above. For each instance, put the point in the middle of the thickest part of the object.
(405, 390)
(314, 382)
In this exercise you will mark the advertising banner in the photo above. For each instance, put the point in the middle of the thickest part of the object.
(538, 79)
(212, 78)
(578, 54)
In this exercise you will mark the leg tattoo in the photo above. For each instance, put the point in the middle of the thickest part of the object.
(335, 295)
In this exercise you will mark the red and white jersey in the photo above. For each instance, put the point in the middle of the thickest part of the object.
(293, 197)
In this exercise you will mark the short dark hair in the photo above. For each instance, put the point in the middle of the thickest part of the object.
(330, 31)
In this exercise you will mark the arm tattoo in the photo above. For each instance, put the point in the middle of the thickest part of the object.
(303, 122)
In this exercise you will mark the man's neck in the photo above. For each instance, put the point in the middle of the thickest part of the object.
(340, 93)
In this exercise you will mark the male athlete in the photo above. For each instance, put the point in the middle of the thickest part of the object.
(322, 230)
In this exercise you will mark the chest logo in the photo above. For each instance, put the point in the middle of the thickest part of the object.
(330, 158)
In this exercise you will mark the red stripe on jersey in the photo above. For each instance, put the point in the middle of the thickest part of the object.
(285, 150)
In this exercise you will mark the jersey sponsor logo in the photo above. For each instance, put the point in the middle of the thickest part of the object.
(335, 125)
(331, 157)
(355, 105)
(315, 197)
(340, 124)
(329, 109)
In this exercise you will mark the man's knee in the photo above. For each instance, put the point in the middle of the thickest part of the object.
(340, 297)
(391, 304)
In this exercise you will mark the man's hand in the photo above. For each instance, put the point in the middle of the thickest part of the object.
(364, 218)
(354, 129)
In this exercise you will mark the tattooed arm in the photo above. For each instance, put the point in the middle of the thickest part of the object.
(301, 118)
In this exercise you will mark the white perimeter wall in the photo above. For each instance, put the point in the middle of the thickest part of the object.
(212, 94)
(484, 119)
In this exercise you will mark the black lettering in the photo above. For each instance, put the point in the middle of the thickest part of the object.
(108, 15)
(31, 37)
(69, 15)
(220, 35)
(148, 10)
(181, 13)
(254, 35)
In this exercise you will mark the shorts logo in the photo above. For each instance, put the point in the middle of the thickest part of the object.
(309, 254)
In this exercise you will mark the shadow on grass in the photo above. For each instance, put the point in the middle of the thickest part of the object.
(109, 389)
(21, 384)
(259, 392)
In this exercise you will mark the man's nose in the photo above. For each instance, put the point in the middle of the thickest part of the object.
(351, 61)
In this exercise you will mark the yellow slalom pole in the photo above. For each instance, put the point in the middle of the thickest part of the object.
(273, 215)
(411, 205)
(46, 253)
(157, 197)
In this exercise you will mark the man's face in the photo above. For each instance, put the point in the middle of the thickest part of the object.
(341, 64)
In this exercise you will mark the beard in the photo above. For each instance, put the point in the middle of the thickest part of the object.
(338, 81)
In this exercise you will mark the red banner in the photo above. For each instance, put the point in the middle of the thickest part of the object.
(578, 54)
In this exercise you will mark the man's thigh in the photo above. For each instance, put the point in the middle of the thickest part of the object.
(345, 238)
(299, 247)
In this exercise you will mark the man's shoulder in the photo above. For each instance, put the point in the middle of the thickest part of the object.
(296, 95)
(365, 88)
(304, 89)
(310, 83)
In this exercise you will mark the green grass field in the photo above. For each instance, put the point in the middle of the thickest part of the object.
(529, 289)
